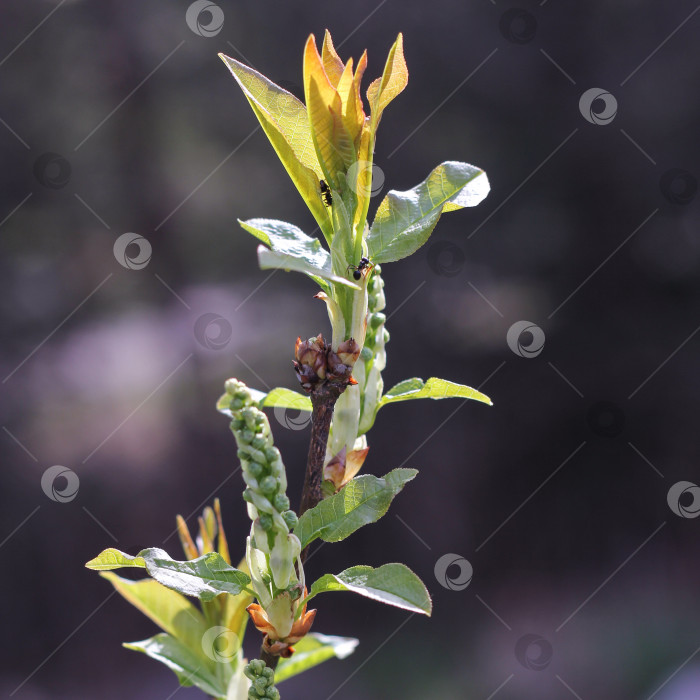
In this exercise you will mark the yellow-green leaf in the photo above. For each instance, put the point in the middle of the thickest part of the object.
(434, 388)
(312, 650)
(285, 122)
(114, 559)
(393, 81)
(170, 610)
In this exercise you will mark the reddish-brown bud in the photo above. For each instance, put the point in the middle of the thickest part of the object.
(310, 361)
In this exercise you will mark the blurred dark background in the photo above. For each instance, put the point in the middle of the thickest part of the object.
(116, 117)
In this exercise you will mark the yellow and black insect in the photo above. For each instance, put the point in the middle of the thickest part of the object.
(358, 270)
(326, 194)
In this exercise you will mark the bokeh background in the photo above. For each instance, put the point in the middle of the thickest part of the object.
(116, 117)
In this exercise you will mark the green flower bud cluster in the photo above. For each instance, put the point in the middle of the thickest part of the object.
(357, 406)
(266, 481)
(368, 369)
(262, 679)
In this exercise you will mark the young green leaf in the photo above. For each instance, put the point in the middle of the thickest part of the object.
(405, 220)
(289, 248)
(172, 612)
(393, 81)
(189, 668)
(271, 260)
(285, 121)
(362, 501)
(286, 238)
(312, 650)
(434, 388)
(286, 398)
(393, 584)
(114, 559)
(204, 577)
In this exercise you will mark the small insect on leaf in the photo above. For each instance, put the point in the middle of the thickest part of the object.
(326, 193)
(363, 268)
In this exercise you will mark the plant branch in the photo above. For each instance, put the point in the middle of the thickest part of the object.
(323, 399)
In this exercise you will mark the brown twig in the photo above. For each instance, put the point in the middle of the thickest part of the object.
(323, 400)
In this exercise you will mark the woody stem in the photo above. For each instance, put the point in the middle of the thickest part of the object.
(323, 398)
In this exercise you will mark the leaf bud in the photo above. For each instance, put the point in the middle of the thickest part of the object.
(281, 502)
(290, 519)
(266, 521)
(269, 485)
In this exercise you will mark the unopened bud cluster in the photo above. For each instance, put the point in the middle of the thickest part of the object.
(266, 480)
(368, 371)
(316, 361)
(262, 679)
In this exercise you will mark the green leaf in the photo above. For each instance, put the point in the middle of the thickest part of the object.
(286, 398)
(172, 612)
(280, 397)
(405, 220)
(290, 248)
(114, 559)
(393, 584)
(362, 501)
(285, 121)
(286, 238)
(312, 650)
(434, 388)
(394, 79)
(271, 260)
(204, 577)
(188, 667)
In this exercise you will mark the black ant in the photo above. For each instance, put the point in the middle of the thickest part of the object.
(326, 193)
(357, 270)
